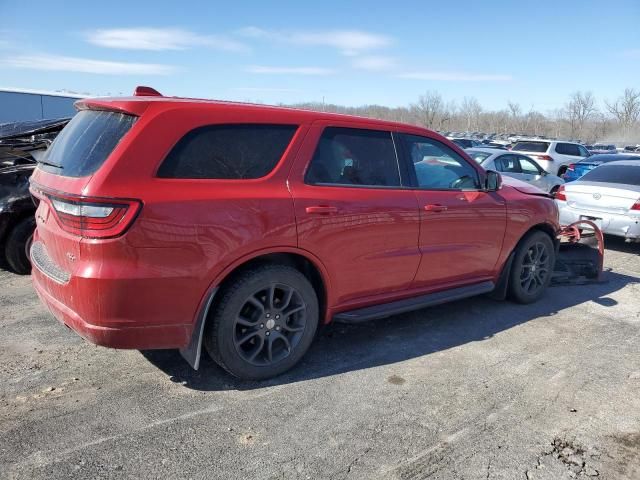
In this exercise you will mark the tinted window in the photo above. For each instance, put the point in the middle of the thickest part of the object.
(438, 167)
(228, 151)
(346, 156)
(611, 173)
(539, 147)
(86, 142)
(528, 166)
(568, 149)
(507, 164)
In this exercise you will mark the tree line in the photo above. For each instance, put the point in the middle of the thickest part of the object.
(580, 118)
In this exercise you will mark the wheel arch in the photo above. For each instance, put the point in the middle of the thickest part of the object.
(502, 285)
(302, 260)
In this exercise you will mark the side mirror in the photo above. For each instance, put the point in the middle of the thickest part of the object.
(492, 182)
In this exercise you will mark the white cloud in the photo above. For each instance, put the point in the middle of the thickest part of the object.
(84, 65)
(374, 63)
(266, 70)
(349, 42)
(158, 39)
(456, 77)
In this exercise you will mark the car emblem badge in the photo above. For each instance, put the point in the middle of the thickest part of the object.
(597, 196)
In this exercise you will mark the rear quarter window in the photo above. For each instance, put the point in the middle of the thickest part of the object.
(539, 147)
(85, 143)
(243, 151)
(610, 173)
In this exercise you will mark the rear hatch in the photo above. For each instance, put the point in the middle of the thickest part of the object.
(59, 183)
(533, 148)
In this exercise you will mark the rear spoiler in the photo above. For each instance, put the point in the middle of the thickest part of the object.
(135, 105)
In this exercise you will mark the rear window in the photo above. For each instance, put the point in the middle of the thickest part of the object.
(610, 173)
(86, 142)
(539, 147)
(241, 151)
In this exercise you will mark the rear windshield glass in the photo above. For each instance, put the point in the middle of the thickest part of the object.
(241, 151)
(86, 142)
(539, 147)
(625, 174)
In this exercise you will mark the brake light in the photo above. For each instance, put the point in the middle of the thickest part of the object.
(544, 157)
(561, 194)
(93, 217)
(636, 206)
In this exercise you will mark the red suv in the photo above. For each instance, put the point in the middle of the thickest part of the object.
(169, 223)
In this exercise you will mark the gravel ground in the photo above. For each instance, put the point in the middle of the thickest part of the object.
(471, 390)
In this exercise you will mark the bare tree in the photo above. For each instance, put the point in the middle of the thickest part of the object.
(516, 113)
(429, 108)
(626, 110)
(579, 109)
(470, 109)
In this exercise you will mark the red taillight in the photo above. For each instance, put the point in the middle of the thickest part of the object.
(560, 194)
(544, 157)
(91, 217)
(571, 167)
(636, 206)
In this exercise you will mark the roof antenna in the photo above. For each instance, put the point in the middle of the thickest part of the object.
(142, 91)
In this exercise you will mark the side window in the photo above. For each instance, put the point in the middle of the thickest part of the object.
(528, 166)
(240, 151)
(349, 156)
(568, 149)
(583, 151)
(507, 164)
(438, 167)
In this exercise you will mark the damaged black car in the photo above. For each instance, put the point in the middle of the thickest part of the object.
(22, 145)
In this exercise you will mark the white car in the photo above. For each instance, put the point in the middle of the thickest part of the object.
(608, 195)
(516, 166)
(552, 155)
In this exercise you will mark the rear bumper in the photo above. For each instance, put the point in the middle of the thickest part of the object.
(619, 225)
(107, 311)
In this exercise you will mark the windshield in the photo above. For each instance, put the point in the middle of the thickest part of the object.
(86, 142)
(539, 147)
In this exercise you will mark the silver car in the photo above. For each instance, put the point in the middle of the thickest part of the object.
(608, 195)
(517, 166)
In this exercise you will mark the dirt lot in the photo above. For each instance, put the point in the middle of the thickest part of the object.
(472, 390)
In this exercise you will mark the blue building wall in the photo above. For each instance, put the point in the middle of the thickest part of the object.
(19, 106)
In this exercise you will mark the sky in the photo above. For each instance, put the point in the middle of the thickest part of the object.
(343, 52)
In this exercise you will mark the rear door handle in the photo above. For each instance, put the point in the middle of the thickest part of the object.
(321, 210)
(435, 207)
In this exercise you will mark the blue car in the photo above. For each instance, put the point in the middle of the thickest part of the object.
(578, 169)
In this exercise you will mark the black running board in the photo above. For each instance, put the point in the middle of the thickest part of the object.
(415, 303)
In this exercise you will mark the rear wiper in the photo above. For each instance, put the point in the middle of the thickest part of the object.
(50, 164)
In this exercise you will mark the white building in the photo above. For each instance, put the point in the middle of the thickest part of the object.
(22, 104)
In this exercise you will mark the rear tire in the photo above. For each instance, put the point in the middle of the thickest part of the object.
(532, 267)
(263, 323)
(18, 244)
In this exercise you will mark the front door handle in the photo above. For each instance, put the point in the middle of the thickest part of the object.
(435, 207)
(321, 210)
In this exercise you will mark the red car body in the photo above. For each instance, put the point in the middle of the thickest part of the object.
(146, 282)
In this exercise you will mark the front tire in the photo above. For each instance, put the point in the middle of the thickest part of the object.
(532, 267)
(18, 244)
(263, 323)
